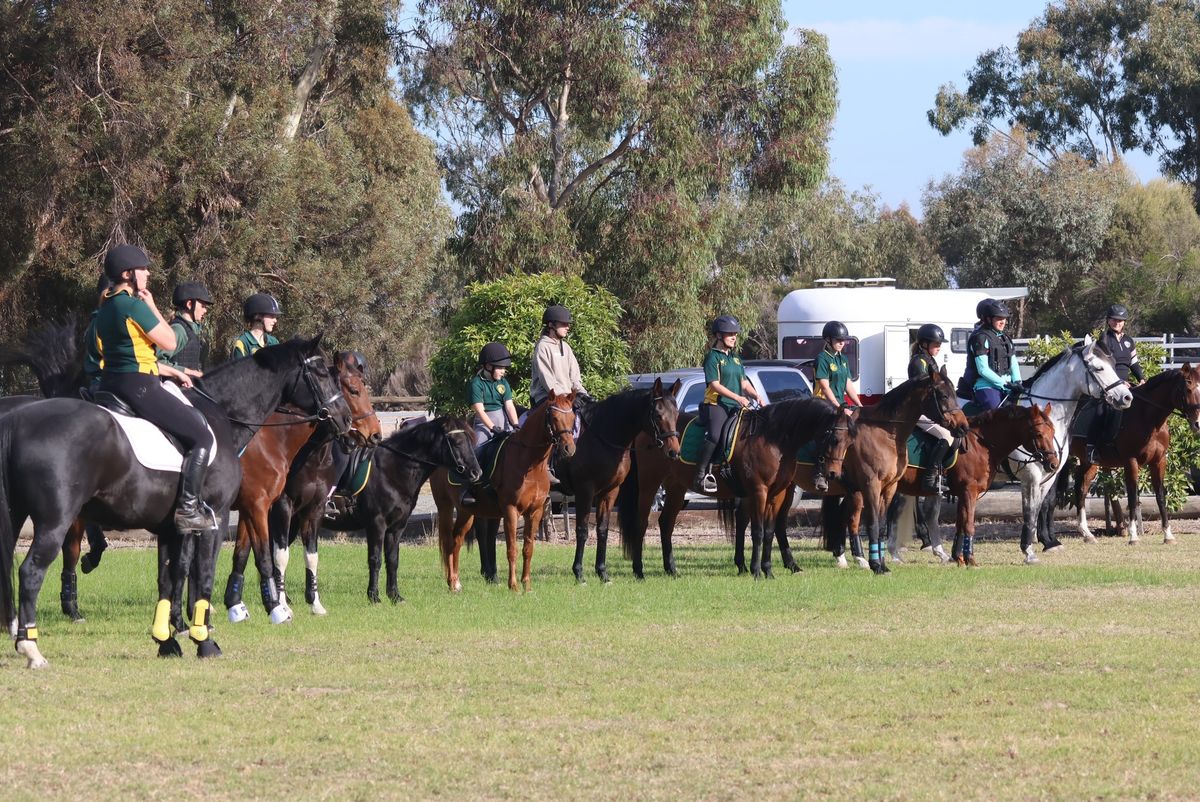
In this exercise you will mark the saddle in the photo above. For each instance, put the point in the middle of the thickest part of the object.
(920, 444)
(693, 437)
(353, 479)
(487, 455)
(153, 448)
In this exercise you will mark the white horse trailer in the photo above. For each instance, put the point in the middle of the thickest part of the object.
(883, 323)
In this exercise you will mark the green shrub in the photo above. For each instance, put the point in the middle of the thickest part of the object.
(510, 311)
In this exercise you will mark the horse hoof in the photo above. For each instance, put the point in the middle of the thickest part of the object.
(605, 579)
(169, 648)
(396, 598)
(840, 561)
(317, 607)
(863, 562)
(1031, 558)
(1055, 547)
(941, 554)
(1088, 537)
(208, 648)
(281, 615)
(580, 579)
(33, 656)
(491, 579)
(373, 598)
(239, 613)
(895, 557)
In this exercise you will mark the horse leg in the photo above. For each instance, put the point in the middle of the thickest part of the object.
(929, 512)
(672, 504)
(260, 541)
(203, 576)
(311, 559)
(1031, 504)
(391, 556)
(854, 511)
(162, 630)
(510, 540)
(1045, 519)
(463, 523)
(891, 524)
(1083, 479)
(740, 521)
(583, 510)
(533, 520)
(236, 583)
(603, 516)
(1135, 501)
(781, 538)
(97, 543)
(966, 522)
(1158, 475)
(69, 596)
(47, 542)
(375, 532)
(487, 531)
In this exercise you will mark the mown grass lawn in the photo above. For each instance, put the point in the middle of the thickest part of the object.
(1074, 679)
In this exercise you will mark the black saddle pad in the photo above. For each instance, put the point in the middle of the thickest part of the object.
(486, 455)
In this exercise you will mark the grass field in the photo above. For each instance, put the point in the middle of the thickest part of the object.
(1074, 679)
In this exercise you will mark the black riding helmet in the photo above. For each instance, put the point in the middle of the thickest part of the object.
(260, 304)
(1117, 312)
(979, 307)
(555, 314)
(725, 324)
(190, 291)
(495, 354)
(835, 330)
(993, 308)
(122, 258)
(932, 333)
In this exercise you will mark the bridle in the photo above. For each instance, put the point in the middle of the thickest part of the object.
(323, 412)
(1089, 379)
(661, 436)
(459, 466)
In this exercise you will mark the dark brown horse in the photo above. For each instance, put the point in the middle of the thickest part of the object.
(762, 466)
(518, 488)
(865, 476)
(602, 460)
(1142, 440)
(265, 464)
(993, 436)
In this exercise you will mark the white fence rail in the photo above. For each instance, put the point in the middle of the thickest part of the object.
(1180, 348)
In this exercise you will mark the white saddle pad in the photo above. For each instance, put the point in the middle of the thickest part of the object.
(151, 447)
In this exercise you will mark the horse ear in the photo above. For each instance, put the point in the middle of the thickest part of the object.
(1047, 409)
(658, 387)
(315, 342)
(550, 398)
(945, 375)
(675, 388)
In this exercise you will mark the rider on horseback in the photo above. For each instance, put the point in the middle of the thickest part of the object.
(260, 311)
(727, 390)
(834, 383)
(1124, 354)
(554, 364)
(991, 353)
(191, 300)
(491, 397)
(923, 364)
(128, 327)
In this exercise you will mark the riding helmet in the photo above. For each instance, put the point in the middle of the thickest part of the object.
(993, 308)
(726, 324)
(190, 291)
(122, 258)
(555, 314)
(835, 330)
(1117, 312)
(931, 332)
(495, 354)
(979, 307)
(260, 304)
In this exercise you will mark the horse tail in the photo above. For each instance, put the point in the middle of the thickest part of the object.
(8, 537)
(627, 507)
(51, 351)
(1062, 486)
(831, 523)
(727, 510)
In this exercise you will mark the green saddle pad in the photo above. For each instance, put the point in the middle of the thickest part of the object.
(919, 446)
(355, 484)
(693, 437)
(971, 409)
(807, 455)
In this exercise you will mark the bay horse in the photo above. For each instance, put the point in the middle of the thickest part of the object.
(992, 436)
(761, 470)
(602, 460)
(62, 459)
(265, 464)
(1142, 440)
(518, 487)
(1079, 370)
(863, 478)
(400, 465)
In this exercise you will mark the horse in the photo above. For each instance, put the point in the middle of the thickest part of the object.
(992, 436)
(761, 470)
(864, 475)
(518, 487)
(63, 459)
(1083, 369)
(265, 464)
(400, 464)
(1142, 440)
(602, 460)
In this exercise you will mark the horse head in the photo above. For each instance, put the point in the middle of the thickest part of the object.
(365, 427)
(309, 378)
(1189, 402)
(1102, 380)
(1039, 437)
(663, 423)
(560, 421)
(942, 404)
(456, 447)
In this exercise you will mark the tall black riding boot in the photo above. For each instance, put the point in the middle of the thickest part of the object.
(931, 480)
(191, 513)
(703, 472)
(820, 481)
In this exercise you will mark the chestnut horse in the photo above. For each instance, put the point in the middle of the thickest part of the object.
(1142, 440)
(865, 475)
(602, 460)
(517, 487)
(761, 471)
(265, 464)
(992, 437)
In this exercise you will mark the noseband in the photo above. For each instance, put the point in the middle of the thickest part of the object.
(660, 435)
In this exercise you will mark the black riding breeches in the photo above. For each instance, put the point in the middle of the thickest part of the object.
(714, 418)
(145, 394)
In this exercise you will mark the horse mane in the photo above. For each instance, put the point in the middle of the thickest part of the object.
(611, 416)
(423, 434)
(1153, 382)
(1051, 362)
(52, 352)
(891, 401)
(786, 419)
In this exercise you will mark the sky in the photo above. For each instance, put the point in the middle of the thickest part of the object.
(891, 58)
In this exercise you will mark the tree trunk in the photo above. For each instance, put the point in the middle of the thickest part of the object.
(326, 39)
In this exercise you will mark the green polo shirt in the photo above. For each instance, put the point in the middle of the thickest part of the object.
(492, 394)
(726, 370)
(245, 344)
(835, 369)
(121, 326)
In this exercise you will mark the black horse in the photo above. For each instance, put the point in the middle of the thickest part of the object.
(401, 464)
(63, 459)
